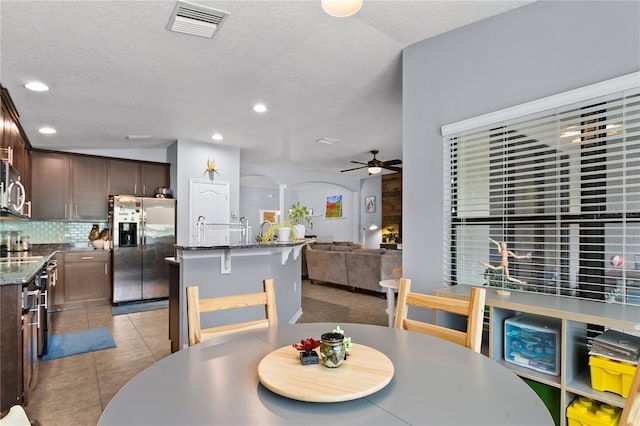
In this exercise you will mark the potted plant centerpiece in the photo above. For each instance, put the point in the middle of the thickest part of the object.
(281, 229)
(300, 218)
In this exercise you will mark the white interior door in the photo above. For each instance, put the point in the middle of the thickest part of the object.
(209, 200)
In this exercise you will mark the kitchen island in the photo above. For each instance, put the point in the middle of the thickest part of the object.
(234, 269)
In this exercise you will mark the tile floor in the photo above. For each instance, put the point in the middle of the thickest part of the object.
(75, 390)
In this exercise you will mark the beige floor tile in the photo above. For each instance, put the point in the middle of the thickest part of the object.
(75, 390)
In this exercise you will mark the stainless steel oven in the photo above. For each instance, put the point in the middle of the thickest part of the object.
(31, 317)
(47, 277)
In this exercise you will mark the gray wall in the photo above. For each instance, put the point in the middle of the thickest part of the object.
(528, 53)
(188, 161)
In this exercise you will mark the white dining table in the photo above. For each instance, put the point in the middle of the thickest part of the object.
(434, 382)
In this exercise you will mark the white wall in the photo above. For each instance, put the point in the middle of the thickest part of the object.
(528, 53)
(311, 188)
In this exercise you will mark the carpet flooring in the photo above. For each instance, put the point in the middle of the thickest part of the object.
(325, 302)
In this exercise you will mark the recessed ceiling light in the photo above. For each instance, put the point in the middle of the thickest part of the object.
(138, 136)
(47, 130)
(216, 137)
(260, 108)
(36, 86)
(327, 141)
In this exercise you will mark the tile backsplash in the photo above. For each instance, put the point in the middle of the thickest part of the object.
(53, 232)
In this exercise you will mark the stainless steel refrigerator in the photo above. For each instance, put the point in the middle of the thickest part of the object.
(143, 232)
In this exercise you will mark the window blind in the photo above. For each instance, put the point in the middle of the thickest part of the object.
(561, 189)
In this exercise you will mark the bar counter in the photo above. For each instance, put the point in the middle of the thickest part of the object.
(234, 269)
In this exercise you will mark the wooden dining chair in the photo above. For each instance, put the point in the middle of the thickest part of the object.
(473, 309)
(197, 306)
(631, 411)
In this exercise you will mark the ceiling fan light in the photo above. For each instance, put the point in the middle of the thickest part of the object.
(374, 170)
(341, 8)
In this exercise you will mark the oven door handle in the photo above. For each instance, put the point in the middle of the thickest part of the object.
(35, 293)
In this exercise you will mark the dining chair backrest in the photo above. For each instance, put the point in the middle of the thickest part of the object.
(197, 306)
(631, 411)
(473, 309)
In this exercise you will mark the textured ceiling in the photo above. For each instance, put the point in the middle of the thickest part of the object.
(114, 70)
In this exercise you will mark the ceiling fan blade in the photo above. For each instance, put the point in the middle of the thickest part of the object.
(358, 162)
(395, 169)
(355, 168)
(391, 163)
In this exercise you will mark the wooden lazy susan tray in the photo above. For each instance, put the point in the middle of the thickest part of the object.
(364, 372)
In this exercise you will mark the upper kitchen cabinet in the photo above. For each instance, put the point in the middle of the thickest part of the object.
(69, 187)
(137, 178)
(90, 192)
(50, 196)
(13, 141)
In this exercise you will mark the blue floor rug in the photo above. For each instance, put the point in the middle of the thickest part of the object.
(131, 308)
(63, 345)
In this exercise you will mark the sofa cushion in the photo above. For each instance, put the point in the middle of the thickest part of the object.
(343, 248)
(373, 251)
(363, 270)
(321, 246)
(327, 265)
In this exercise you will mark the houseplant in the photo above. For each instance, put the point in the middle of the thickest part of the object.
(298, 217)
(282, 229)
(391, 236)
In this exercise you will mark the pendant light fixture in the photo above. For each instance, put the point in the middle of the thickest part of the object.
(341, 8)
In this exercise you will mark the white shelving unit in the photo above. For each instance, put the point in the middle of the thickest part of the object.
(575, 315)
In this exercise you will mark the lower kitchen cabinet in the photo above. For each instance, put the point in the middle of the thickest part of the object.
(11, 347)
(86, 277)
(18, 343)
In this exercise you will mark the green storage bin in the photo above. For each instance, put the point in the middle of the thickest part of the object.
(550, 396)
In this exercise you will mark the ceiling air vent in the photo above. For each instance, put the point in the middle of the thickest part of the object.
(194, 19)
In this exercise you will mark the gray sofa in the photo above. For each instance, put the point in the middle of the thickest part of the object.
(350, 265)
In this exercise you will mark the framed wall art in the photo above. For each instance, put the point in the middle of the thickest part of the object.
(268, 216)
(370, 204)
(334, 207)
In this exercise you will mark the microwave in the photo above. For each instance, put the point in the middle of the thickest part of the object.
(13, 196)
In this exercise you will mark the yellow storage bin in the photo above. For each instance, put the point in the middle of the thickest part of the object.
(587, 412)
(612, 376)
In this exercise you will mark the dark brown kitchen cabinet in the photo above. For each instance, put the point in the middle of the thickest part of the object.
(153, 176)
(18, 343)
(124, 177)
(87, 276)
(12, 138)
(50, 196)
(137, 178)
(90, 177)
(68, 187)
(11, 347)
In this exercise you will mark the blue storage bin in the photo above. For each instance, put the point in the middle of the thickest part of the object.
(533, 342)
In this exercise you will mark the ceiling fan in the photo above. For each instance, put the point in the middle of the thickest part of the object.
(375, 166)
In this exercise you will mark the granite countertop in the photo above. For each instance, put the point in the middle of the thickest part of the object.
(252, 245)
(18, 268)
